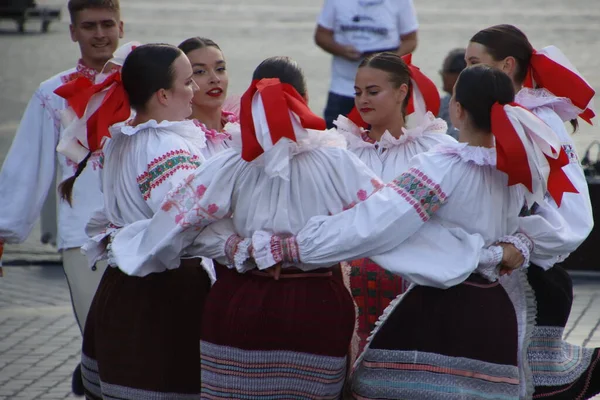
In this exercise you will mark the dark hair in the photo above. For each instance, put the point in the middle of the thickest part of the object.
(196, 43)
(478, 88)
(398, 71)
(505, 40)
(287, 70)
(147, 69)
(454, 62)
(75, 6)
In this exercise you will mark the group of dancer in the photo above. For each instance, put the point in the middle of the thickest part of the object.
(252, 253)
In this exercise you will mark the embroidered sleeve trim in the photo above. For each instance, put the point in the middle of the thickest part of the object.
(285, 249)
(163, 167)
(420, 191)
(231, 247)
(571, 153)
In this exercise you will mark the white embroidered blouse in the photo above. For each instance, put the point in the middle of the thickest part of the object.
(575, 208)
(322, 180)
(390, 156)
(141, 164)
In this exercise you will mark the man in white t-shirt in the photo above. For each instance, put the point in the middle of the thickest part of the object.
(353, 29)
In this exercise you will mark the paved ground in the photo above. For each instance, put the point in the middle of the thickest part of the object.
(39, 339)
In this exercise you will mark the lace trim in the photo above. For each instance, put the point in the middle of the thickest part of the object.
(540, 97)
(231, 246)
(522, 243)
(129, 130)
(358, 137)
(238, 251)
(215, 136)
(477, 155)
(489, 263)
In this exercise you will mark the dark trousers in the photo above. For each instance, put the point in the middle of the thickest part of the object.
(337, 105)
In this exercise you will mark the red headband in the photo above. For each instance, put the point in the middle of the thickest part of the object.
(425, 85)
(545, 72)
(512, 157)
(113, 109)
(278, 99)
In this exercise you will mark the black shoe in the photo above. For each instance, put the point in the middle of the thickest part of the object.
(77, 382)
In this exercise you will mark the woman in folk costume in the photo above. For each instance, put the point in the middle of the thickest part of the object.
(288, 336)
(462, 341)
(388, 89)
(549, 86)
(212, 110)
(142, 332)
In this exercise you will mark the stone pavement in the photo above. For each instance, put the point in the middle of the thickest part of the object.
(40, 340)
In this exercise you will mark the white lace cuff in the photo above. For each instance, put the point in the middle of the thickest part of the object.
(261, 245)
(237, 251)
(489, 263)
(522, 243)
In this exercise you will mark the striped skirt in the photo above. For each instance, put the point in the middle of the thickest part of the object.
(141, 336)
(559, 369)
(457, 343)
(268, 339)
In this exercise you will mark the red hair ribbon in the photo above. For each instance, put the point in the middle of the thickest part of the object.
(425, 86)
(512, 157)
(561, 82)
(113, 109)
(278, 99)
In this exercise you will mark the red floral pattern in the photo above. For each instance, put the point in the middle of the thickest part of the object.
(373, 288)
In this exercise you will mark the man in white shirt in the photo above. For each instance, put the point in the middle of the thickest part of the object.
(29, 168)
(353, 29)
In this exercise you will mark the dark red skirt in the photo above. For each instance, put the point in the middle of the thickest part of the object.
(285, 338)
(142, 334)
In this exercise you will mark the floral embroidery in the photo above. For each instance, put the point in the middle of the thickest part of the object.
(163, 167)
(420, 191)
(212, 134)
(362, 194)
(571, 153)
(80, 70)
(186, 201)
(53, 113)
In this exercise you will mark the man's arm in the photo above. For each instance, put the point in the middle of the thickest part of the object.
(324, 39)
(408, 43)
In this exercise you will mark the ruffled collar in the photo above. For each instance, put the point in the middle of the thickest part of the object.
(358, 137)
(215, 136)
(129, 130)
(534, 98)
(86, 71)
(471, 154)
(186, 129)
